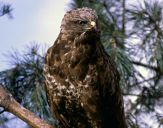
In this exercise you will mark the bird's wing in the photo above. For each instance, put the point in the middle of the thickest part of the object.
(54, 79)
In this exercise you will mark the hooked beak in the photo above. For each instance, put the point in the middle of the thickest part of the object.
(93, 25)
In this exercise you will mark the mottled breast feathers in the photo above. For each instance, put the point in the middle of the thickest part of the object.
(82, 82)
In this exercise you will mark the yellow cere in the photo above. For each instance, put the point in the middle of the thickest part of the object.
(93, 23)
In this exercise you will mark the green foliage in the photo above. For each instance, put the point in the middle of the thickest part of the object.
(147, 26)
(26, 82)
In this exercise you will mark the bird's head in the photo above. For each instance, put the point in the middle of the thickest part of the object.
(79, 21)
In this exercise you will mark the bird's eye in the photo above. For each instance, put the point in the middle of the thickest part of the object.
(82, 22)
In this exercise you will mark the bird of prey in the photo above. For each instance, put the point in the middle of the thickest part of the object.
(81, 79)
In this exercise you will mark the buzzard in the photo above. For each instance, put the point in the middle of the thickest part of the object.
(82, 82)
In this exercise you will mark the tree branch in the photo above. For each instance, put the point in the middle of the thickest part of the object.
(145, 65)
(108, 11)
(145, 80)
(123, 17)
(11, 105)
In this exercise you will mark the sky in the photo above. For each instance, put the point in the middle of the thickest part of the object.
(33, 21)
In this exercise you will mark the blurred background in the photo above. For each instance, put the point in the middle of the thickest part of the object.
(131, 32)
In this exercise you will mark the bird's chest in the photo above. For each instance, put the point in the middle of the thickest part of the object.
(80, 89)
(73, 88)
(76, 62)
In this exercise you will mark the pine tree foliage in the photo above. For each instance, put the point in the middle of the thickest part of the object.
(25, 80)
(147, 19)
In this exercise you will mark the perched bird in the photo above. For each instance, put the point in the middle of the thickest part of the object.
(82, 82)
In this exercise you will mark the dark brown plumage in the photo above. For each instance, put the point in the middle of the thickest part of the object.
(82, 82)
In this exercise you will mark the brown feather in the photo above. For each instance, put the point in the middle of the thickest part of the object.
(82, 82)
